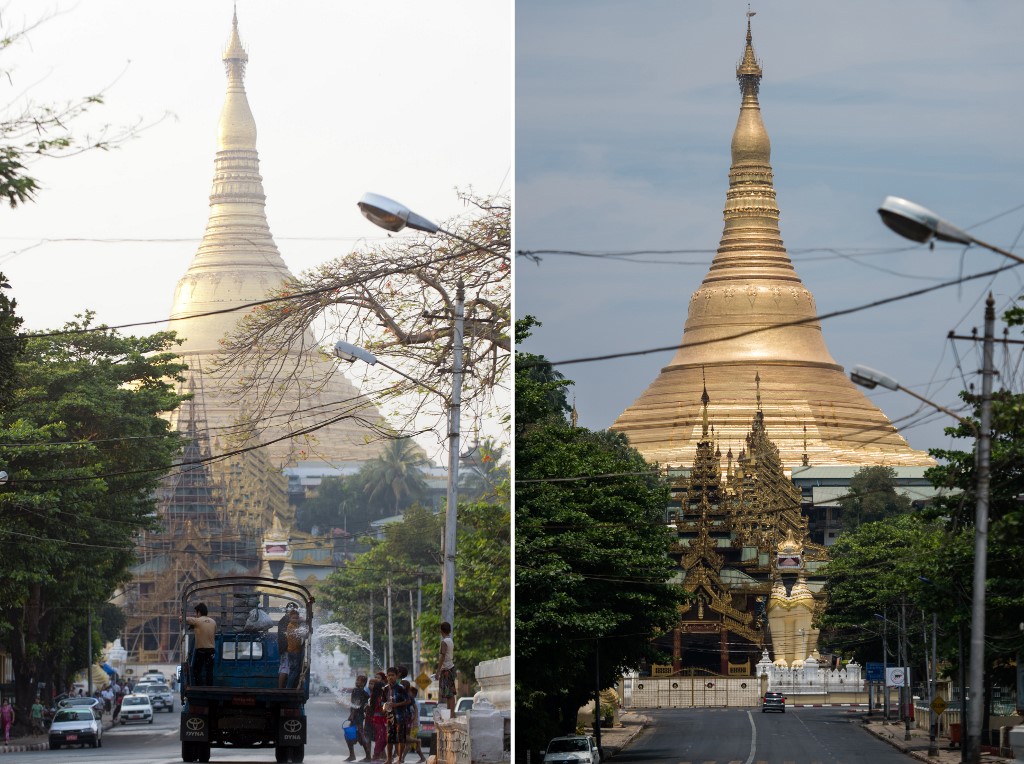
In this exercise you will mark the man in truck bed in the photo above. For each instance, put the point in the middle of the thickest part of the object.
(205, 629)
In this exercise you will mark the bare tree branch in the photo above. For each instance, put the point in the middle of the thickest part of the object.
(395, 299)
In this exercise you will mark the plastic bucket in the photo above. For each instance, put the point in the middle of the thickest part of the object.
(351, 733)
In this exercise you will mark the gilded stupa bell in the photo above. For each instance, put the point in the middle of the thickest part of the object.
(752, 334)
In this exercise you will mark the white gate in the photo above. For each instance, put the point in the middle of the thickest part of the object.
(691, 692)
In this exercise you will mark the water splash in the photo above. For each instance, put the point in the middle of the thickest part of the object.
(333, 666)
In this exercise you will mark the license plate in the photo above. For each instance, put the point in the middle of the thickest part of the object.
(72, 737)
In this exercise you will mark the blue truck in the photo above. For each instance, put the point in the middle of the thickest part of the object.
(245, 706)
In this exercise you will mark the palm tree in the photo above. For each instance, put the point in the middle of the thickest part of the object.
(395, 475)
(482, 471)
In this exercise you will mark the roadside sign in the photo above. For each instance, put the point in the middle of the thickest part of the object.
(874, 672)
(423, 681)
(939, 705)
(897, 676)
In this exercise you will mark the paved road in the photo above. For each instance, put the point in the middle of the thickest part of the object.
(158, 743)
(746, 736)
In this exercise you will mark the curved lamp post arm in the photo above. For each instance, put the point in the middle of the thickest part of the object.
(346, 351)
(393, 216)
(912, 221)
(871, 378)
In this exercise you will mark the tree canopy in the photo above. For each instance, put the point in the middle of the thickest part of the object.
(85, 446)
(592, 568)
(410, 555)
(872, 496)
(926, 559)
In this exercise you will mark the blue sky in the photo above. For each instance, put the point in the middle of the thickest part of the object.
(624, 117)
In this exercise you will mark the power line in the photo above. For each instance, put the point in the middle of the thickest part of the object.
(772, 327)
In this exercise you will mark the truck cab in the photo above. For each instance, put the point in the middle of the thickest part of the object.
(258, 619)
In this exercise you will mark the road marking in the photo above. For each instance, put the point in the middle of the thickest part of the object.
(753, 738)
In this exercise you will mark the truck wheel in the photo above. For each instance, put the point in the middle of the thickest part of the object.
(281, 754)
(298, 752)
(188, 751)
(204, 751)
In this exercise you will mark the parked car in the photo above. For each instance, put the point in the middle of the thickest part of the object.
(572, 749)
(425, 734)
(773, 701)
(80, 701)
(136, 708)
(160, 696)
(463, 705)
(76, 725)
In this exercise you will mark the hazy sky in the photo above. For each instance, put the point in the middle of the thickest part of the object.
(624, 116)
(405, 99)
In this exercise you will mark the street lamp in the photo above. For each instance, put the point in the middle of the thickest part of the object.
(872, 378)
(921, 224)
(392, 216)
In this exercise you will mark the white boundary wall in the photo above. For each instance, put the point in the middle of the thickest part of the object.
(691, 692)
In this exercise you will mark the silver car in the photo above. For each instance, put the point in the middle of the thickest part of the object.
(160, 696)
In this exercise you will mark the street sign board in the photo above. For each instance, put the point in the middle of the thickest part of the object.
(423, 681)
(939, 705)
(897, 676)
(874, 672)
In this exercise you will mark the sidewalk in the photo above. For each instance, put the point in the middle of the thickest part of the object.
(614, 739)
(894, 732)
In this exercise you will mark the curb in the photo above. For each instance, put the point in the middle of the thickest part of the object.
(22, 747)
(42, 745)
(613, 750)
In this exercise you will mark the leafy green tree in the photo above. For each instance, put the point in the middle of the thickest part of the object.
(1004, 585)
(881, 565)
(592, 568)
(85, 445)
(872, 496)
(410, 556)
(11, 343)
(394, 479)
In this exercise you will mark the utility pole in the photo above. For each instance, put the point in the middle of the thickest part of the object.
(885, 668)
(414, 666)
(391, 630)
(454, 418)
(372, 664)
(906, 694)
(977, 667)
(933, 726)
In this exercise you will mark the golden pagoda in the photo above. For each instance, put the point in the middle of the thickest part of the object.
(752, 323)
(237, 264)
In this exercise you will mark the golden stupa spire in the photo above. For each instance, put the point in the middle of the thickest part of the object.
(238, 263)
(752, 338)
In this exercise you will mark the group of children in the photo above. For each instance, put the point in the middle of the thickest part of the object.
(385, 717)
(384, 711)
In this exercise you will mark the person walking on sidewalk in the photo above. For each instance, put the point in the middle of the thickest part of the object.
(7, 720)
